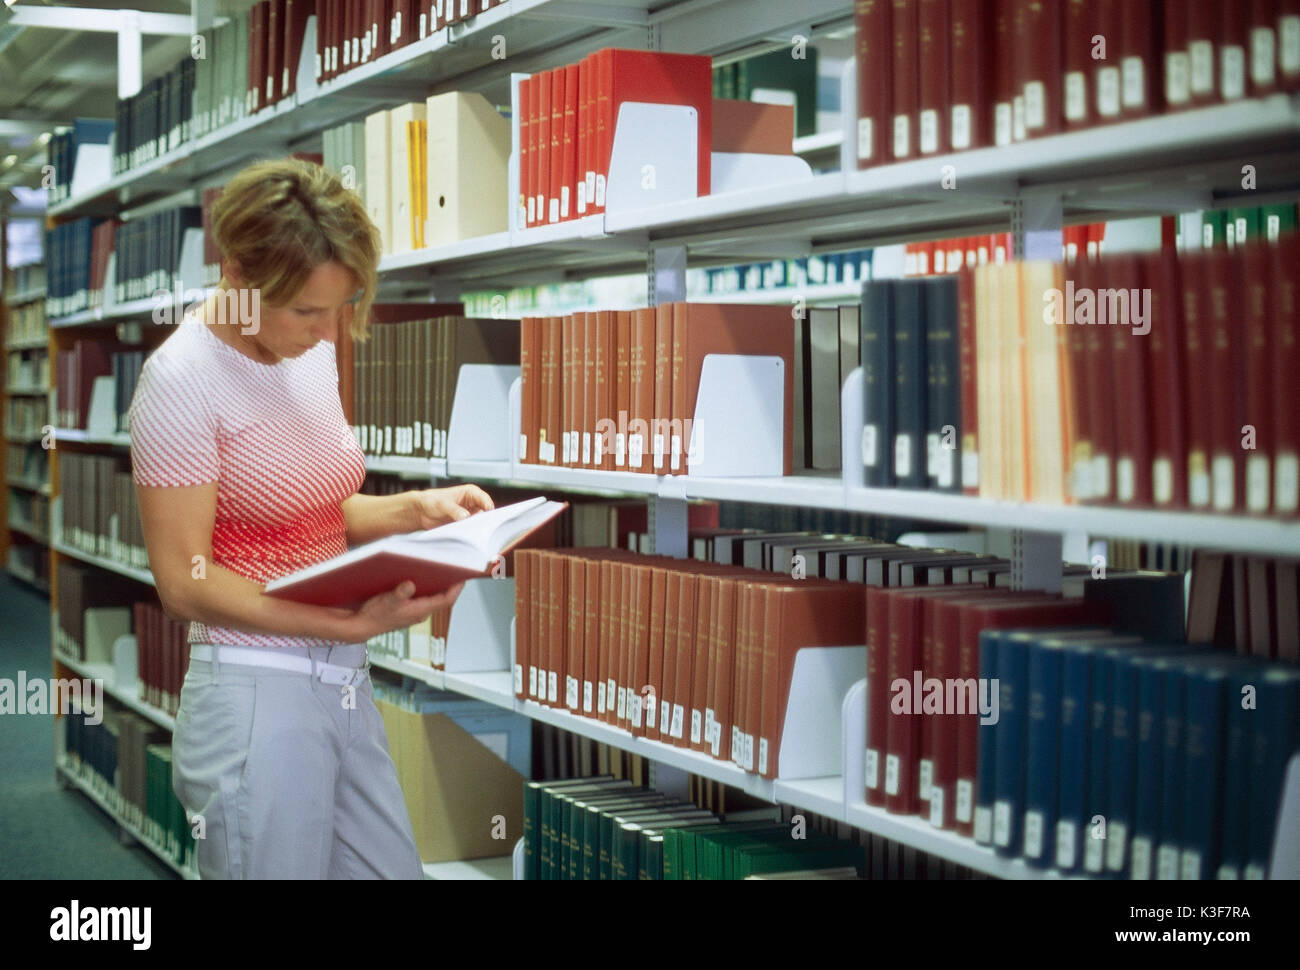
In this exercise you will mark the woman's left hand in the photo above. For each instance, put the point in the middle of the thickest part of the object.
(433, 507)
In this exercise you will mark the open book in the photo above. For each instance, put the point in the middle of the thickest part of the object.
(434, 559)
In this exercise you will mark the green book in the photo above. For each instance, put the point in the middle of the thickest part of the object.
(627, 837)
(552, 836)
(591, 824)
(789, 858)
(709, 845)
(674, 840)
(607, 853)
(1213, 229)
(1277, 220)
(574, 820)
(533, 819)
(779, 72)
(650, 844)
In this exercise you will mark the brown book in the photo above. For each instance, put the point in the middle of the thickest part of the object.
(721, 670)
(601, 669)
(591, 636)
(567, 384)
(1286, 597)
(906, 78)
(699, 665)
(732, 329)
(1241, 612)
(1209, 602)
(1262, 597)
(661, 411)
(524, 594)
(1130, 366)
(528, 362)
(556, 599)
(588, 388)
(648, 688)
(1221, 331)
(622, 384)
(641, 362)
(576, 577)
(1286, 363)
(552, 356)
(751, 126)
(682, 665)
(797, 616)
(605, 428)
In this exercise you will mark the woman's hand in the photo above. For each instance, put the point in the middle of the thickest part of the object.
(432, 507)
(396, 610)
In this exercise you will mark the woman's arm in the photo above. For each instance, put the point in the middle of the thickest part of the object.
(178, 526)
(371, 517)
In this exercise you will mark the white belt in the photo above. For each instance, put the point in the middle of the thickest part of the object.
(334, 674)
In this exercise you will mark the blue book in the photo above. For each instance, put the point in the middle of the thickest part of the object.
(1274, 740)
(1042, 739)
(986, 757)
(1234, 843)
(1168, 840)
(1148, 735)
(1079, 661)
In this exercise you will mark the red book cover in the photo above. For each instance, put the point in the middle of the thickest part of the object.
(1198, 377)
(601, 666)
(1202, 37)
(1042, 82)
(679, 724)
(1263, 46)
(524, 596)
(935, 77)
(530, 125)
(609, 647)
(1004, 71)
(1225, 386)
(557, 631)
(565, 371)
(274, 56)
(622, 384)
(1107, 82)
(654, 77)
(584, 147)
(575, 637)
(660, 580)
(905, 26)
(902, 732)
(606, 420)
(542, 126)
(588, 171)
(1076, 53)
(1257, 377)
(873, 46)
(528, 366)
(1177, 59)
(639, 657)
(1286, 364)
(1140, 87)
(587, 390)
(1288, 44)
(1129, 364)
(294, 20)
(555, 153)
(1233, 40)
(721, 669)
(1101, 416)
(569, 145)
(433, 560)
(1167, 369)
(641, 376)
(696, 680)
(971, 62)
(603, 130)
(664, 676)
(877, 630)
(662, 394)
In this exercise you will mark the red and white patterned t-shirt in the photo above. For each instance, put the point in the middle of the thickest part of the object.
(273, 438)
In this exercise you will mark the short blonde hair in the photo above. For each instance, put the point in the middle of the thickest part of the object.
(280, 219)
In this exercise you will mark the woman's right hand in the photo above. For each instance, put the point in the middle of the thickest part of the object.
(397, 609)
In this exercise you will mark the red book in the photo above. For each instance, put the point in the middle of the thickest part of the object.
(971, 64)
(906, 80)
(1129, 366)
(902, 731)
(654, 77)
(1202, 35)
(873, 47)
(1257, 381)
(1140, 36)
(1263, 46)
(569, 145)
(1225, 386)
(1101, 417)
(877, 693)
(935, 77)
(555, 152)
(274, 57)
(603, 127)
(1198, 376)
(1285, 353)
(565, 371)
(296, 13)
(1107, 80)
(1167, 368)
(1042, 82)
(588, 171)
(1004, 71)
(575, 639)
(1233, 42)
(1178, 61)
(1076, 53)
(524, 594)
(584, 146)
(587, 389)
(527, 204)
(1288, 44)
(542, 126)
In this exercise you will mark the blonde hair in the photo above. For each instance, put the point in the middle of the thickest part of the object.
(281, 219)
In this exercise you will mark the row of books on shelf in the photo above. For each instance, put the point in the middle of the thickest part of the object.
(101, 515)
(31, 560)
(819, 270)
(27, 464)
(601, 827)
(30, 513)
(26, 418)
(28, 370)
(936, 76)
(775, 76)
(26, 322)
(405, 374)
(75, 373)
(24, 279)
(127, 760)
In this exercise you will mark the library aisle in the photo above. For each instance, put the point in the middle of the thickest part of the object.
(48, 832)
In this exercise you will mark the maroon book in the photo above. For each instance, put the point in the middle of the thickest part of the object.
(1225, 386)
(1167, 370)
(1197, 377)
(1107, 102)
(1129, 363)
(971, 60)
(1262, 53)
(874, 46)
(1202, 38)
(905, 28)
(1233, 42)
(1177, 60)
(1288, 44)
(1094, 275)
(1286, 364)
(1076, 54)
(1257, 377)
(1140, 35)
(1043, 28)
(1004, 71)
(935, 77)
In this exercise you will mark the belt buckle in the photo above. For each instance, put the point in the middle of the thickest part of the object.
(341, 676)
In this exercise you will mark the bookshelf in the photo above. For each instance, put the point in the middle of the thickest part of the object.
(1152, 165)
(24, 539)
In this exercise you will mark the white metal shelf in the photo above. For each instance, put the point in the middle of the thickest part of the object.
(65, 770)
(472, 869)
(26, 390)
(103, 562)
(41, 488)
(29, 343)
(104, 673)
(81, 436)
(25, 296)
(106, 313)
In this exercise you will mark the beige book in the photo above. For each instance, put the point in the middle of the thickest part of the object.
(1044, 411)
(399, 160)
(376, 188)
(466, 171)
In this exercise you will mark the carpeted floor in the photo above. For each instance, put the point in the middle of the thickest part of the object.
(47, 832)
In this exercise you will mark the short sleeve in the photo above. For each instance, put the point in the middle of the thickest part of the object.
(173, 427)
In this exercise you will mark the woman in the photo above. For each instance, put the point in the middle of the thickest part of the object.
(246, 471)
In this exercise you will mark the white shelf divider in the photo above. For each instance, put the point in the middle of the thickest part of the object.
(478, 636)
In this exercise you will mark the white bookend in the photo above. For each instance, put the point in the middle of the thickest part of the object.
(811, 742)
(126, 666)
(480, 427)
(853, 726)
(1285, 863)
(734, 171)
(94, 167)
(852, 421)
(738, 427)
(306, 67)
(101, 420)
(103, 626)
(478, 636)
(655, 159)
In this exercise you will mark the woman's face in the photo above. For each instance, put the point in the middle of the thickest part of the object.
(319, 311)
